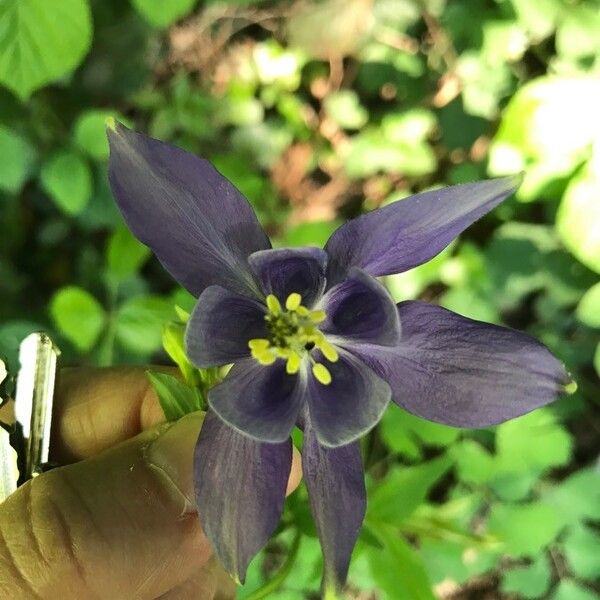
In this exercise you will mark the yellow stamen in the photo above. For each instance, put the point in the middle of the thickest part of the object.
(273, 304)
(293, 301)
(293, 364)
(303, 311)
(571, 387)
(321, 373)
(258, 344)
(328, 350)
(264, 357)
(317, 316)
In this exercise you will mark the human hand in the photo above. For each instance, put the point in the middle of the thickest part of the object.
(118, 520)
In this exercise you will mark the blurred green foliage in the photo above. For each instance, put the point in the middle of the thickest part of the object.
(318, 111)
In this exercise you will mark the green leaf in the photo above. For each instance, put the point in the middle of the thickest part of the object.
(474, 464)
(525, 529)
(582, 551)
(409, 127)
(369, 152)
(398, 495)
(78, 316)
(569, 590)
(67, 179)
(397, 568)
(173, 343)
(161, 13)
(577, 497)
(531, 581)
(597, 359)
(455, 561)
(17, 160)
(176, 398)
(345, 109)
(139, 323)
(89, 132)
(41, 41)
(534, 441)
(403, 432)
(588, 309)
(533, 136)
(578, 217)
(124, 254)
(313, 233)
(577, 34)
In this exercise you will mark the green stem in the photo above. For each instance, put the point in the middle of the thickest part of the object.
(278, 579)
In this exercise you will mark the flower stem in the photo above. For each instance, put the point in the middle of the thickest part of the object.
(279, 578)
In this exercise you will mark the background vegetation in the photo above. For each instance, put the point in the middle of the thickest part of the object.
(318, 111)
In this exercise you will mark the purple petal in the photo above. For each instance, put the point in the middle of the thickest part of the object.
(240, 489)
(221, 325)
(462, 372)
(199, 226)
(287, 270)
(336, 488)
(361, 309)
(409, 232)
(261, 402)
(350, 405)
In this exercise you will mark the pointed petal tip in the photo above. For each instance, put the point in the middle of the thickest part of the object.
(513, 181)
(570, 388)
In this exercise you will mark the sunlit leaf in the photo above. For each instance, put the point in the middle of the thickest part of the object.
(403, 490)
(124, 254)
(41, 41)
(531, 581)
(67, 179)
(578, 218)
(176, 398)
(345, 109)
(162, 14)
(588, 309)
(525, 529)
(89, 132)
(569, 590)
(78, 316)
(582, 551)
(17, 160)
(139, 323)
(398, 570)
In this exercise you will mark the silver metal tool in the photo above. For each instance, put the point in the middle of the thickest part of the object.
(38, 357)
(9, 472)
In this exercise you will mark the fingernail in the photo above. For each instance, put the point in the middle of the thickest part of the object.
(172, 454)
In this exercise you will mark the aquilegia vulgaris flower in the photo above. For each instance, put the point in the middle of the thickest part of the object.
(316, 342)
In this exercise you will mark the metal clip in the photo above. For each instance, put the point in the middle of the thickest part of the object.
(9, 471)
(38, 357)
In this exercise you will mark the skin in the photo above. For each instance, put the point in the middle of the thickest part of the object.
(117, 519)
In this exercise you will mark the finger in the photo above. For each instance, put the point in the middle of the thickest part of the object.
(96, 409)
(117, 525)
(210, 583)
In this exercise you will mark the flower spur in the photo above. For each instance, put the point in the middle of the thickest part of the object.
(316, 342)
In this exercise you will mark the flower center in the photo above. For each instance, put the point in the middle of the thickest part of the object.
(293, 334)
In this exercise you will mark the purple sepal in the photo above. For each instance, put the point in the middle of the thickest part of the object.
(409, 232)
(196, 222)
(454, 370)
(335, 481)
(240, 490)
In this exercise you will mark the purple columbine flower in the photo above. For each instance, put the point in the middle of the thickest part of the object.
(315, 341)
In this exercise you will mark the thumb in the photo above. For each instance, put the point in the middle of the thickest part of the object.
(118, 525)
